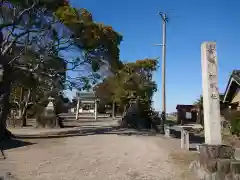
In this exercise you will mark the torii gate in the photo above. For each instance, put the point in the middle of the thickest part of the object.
(87, 98)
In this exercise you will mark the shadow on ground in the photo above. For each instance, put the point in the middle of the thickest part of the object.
(85, 121)
(8, 144)
(92, 131)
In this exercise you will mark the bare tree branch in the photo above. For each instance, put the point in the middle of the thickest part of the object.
(9, 46)
(18, 18)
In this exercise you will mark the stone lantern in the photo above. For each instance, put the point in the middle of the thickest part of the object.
(50, 106)
(48, 117)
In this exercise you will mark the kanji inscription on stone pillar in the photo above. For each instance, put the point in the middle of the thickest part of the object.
(211, 105)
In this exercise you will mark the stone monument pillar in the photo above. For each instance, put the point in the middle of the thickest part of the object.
(216, 161)
(211, 106)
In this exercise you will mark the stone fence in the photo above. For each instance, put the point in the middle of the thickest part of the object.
(185, 132)
(216, 162)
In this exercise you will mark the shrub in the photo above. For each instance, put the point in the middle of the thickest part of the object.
(235, 126)
(235, 122)
(140, 116)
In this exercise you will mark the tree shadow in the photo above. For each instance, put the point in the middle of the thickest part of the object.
(11, 143)
(94, 131)
(85, 121)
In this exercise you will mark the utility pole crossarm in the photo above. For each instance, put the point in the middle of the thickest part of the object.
(157, 44)
(163, 16)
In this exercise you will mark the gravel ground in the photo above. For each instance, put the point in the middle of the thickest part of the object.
(95, 157)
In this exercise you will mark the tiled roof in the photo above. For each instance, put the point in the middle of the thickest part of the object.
(179, 106)
(236, 75)
(230, 90)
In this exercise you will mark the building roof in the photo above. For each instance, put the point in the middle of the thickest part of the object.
(221, 96)
(232, 86)
(236, 76)
(183, 106)
(85, 96)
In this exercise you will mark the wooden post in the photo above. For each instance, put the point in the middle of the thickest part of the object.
(182, 139)
(77, 112)
(185, 144)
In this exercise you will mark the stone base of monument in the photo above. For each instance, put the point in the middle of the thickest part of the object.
(216, 162)
(47, 122)
(47, 119)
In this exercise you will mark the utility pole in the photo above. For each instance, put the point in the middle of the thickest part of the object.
(164, 21)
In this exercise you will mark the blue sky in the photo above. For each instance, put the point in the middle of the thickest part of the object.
(190, 23)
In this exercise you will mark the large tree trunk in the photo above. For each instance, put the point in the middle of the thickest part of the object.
(24, 110)
(20, 111)
(113, 110)
(124, 121)
(4, 98)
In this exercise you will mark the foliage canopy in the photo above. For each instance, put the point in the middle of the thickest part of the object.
(132, 81)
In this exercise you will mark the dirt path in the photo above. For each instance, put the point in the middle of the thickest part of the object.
(95, 157)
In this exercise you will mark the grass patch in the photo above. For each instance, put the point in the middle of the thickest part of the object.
(231, 140)
(183, 159)
(170, 122)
